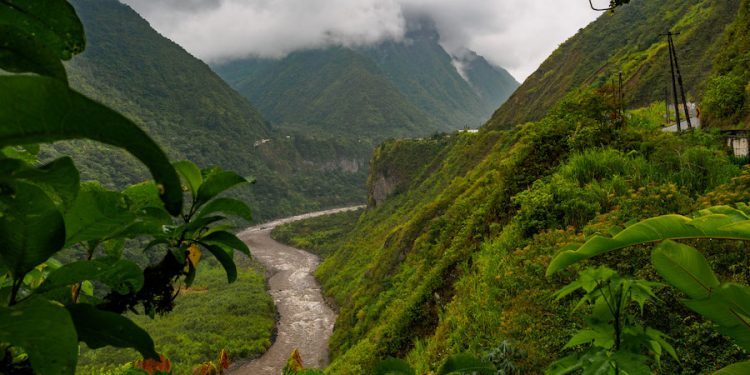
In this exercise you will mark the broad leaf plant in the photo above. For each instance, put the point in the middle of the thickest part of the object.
(47, 308)
(682, 267)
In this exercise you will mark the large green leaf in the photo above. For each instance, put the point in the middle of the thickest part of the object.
(21, 52)
(58, 178)
(466, 364)
(393, 366)
(39, 109)
(227, 206)
(53, 23)
(226, 261)
(99, 328)
(142, 195)
(123, 276)
(31, 228)
(685, 268)
(197, 225)
(143, 201)
(601, 336)
(45, 331)
(227, 239)
(217, 182)
(631, 363)
(191, 174)
(96, 214)
(720, 222)
(729, 307)
(565, 365)
(741, 368)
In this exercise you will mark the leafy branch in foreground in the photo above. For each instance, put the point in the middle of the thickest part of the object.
(47, 308)
(458, 364)
(617, 341)
(726, 304)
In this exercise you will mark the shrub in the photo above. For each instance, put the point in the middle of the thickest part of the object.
(724, 99)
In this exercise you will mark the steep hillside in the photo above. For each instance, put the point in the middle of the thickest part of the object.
(389, 90)
(454, 260)
(451, 255)
(194, 114)
(628, 40)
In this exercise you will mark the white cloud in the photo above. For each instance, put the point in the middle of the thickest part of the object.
(515, 34)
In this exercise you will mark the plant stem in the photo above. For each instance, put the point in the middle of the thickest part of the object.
(77, 287)
(618, 324)
(14, 290)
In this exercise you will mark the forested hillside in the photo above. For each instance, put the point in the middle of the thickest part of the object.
(194, 114)
(452, 255)
(628, 40)
(392, 89)
(336, 91)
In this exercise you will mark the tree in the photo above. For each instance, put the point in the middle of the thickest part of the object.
(612, 5)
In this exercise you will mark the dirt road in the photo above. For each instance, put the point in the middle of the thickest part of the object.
(306, 322)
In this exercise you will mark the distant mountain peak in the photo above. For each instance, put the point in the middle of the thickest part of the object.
(421, 27)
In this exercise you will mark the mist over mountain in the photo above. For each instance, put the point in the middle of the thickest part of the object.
(401, 88)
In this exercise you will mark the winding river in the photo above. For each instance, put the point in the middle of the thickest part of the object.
(305, 320)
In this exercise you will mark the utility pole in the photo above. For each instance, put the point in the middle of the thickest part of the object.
(666, 104)
(674, 81)
(679, 81)
(621, 97)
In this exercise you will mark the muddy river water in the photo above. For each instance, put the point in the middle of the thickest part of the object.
(305, 320)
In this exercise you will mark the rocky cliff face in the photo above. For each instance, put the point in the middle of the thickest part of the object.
(398, 164)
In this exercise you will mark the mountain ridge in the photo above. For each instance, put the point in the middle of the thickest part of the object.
(430, 94)
(628, 40)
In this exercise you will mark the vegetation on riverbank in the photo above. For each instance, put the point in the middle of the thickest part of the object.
(317, 234)
(209, 316)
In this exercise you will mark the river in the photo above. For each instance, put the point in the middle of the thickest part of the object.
(305, 320)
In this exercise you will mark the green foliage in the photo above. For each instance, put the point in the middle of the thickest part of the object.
(45, 331)
(726, 94)
(98, 329)
(682, 266)
(393, 366)
(715, 222)
(46, 307)
(46, 110)
(317, 234)
(617, 341)
(457, 364)
(724, 99)
(629, 40)
(204, 321)
(451, 264)
(466, 364)
(723, 303)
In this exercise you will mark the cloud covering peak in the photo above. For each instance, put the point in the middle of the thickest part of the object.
(514, 34)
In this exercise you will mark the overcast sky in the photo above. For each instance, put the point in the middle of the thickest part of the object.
(515, 34)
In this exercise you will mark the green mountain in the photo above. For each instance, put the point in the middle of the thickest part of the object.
(629, 40)
(451, 255)
(194, 114)
(392, 89)
(456, 91)
(334, 90)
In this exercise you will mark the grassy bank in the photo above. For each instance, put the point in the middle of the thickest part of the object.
(212, 315)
